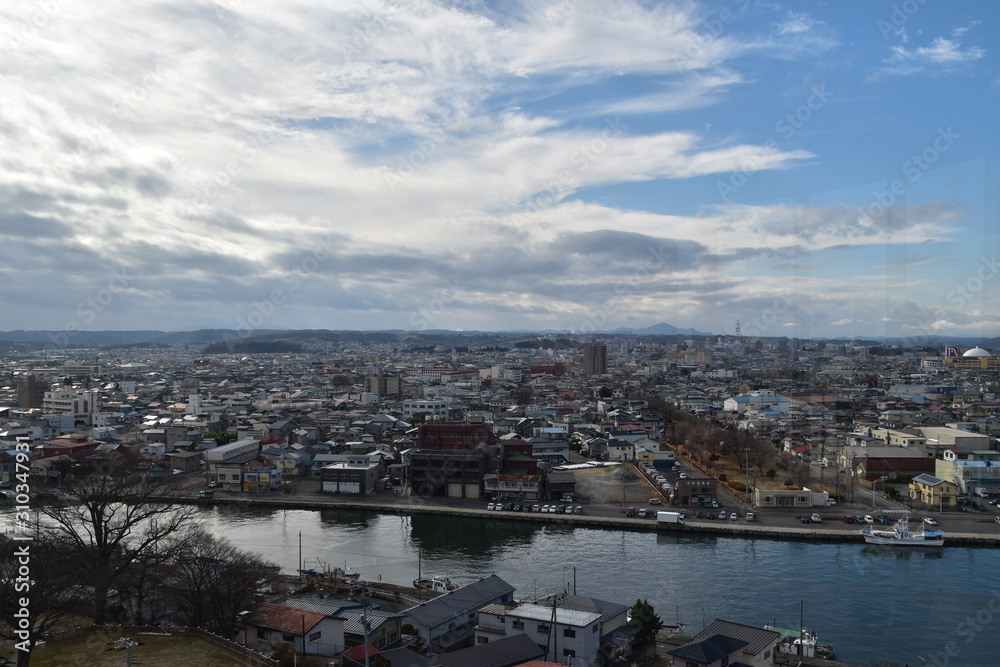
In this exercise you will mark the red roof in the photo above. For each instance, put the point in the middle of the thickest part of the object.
(357, 653)
(288, 620)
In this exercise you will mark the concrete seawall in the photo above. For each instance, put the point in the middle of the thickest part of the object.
(693, 529)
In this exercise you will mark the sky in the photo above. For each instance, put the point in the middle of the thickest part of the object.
(809, 169)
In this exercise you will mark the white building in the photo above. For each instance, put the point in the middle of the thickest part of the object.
(571, 627)
(240, 451)
(763, 400)
(436, 408)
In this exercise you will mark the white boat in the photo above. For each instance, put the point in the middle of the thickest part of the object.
(803, 643)
(437, 584)
(901, 535)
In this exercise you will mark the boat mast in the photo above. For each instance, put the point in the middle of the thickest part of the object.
(801, 626)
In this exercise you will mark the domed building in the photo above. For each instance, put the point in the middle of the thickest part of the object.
(974, 359)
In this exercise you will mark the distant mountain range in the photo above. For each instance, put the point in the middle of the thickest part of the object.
(39, 340)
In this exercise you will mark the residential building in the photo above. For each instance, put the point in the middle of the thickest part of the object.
(714, 651)
(517, 649)
(761, 647)
(384, 629)
(934, 492)
(309, 632)
(448, 622)
(572, 629)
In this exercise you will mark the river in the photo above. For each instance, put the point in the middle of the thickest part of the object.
(872, 603)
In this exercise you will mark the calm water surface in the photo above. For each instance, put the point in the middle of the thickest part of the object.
(873, 603)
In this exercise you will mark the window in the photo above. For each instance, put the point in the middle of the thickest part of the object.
(288, 638)
(569, 653)
(569, 632)
(594, 629)
(767, 654)
(380, 642)
(517, 625)
(261, 633)
(451, 626)
(392, 636)
(543, 628)
(315, 636)
(482, 640)
(724, 662)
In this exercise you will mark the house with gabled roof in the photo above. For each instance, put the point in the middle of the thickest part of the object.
(714, 651)
(384, 628)
(762, 645)
(448, 622)
(310, 632)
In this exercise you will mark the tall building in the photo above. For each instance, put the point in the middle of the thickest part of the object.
(595, 359)
(30, 392)
(386, 386)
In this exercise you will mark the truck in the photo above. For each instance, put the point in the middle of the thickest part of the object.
(670, 518)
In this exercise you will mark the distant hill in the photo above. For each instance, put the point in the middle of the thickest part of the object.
(662, 329)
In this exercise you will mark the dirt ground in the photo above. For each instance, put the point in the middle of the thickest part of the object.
(605, 485)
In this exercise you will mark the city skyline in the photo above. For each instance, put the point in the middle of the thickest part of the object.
(812, 171)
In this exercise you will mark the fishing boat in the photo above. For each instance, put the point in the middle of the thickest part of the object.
(436, 584)
(803, 643)
(901, 535)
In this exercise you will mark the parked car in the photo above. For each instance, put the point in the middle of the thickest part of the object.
(642, 513)
(976, 505)
(711, 515)
(869, 519)
(805, 518)
(751, 516)
(816, 518)
(545, 509)
(996, 519)
(884, 520)
(578, 509)
(655, 501)
(491, 506)
(535, 508)
(734, 515)
(723, 515)
(849, 519)
(930, 521)
(630, 511)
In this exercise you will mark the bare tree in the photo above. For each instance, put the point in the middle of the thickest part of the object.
(38, 590)
(121, 515)
(211, 580)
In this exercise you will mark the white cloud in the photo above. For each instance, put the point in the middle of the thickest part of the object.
(943, 55)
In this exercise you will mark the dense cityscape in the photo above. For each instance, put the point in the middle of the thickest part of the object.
(780, 428)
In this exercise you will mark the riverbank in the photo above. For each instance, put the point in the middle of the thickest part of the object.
(694, 527)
